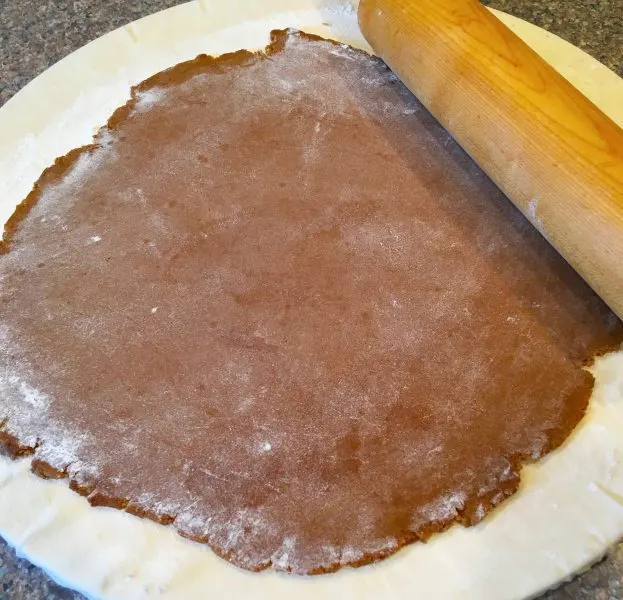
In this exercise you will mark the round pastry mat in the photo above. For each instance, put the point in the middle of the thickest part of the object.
(569, 509)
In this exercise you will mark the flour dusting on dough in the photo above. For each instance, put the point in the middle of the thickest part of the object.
(243, 330)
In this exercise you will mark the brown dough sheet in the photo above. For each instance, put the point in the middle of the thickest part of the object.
(275, 305)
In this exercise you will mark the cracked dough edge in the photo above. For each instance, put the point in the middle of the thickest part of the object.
(569, 509)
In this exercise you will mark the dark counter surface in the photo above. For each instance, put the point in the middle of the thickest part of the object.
(35, 35)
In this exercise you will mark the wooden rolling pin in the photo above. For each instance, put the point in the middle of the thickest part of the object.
(546, 146)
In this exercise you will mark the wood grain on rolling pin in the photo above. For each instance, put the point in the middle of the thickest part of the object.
(553, 152)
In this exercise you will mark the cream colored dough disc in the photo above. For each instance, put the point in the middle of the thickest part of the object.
(569, 510)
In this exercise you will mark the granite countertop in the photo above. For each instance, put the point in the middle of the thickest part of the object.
(34, 35)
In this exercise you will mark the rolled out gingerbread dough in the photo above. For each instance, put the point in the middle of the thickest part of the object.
(15, 476)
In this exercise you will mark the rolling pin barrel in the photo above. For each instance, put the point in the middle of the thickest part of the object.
(547, 147)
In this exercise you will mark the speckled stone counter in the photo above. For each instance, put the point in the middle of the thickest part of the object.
(34, 35)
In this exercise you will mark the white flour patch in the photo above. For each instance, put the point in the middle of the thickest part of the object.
(282, 559)
(57, 198)
(33, 396)
(344, 10)
(25, 392)
(533, 213)
(61, 447)
(443, 509)
(148, 98)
